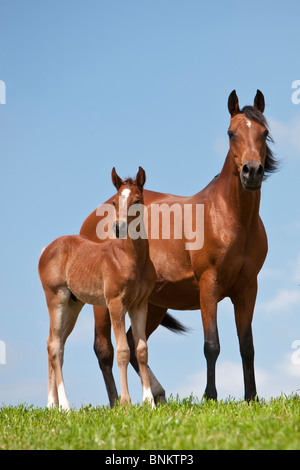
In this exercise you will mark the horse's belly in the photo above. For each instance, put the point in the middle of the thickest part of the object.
(179, 295)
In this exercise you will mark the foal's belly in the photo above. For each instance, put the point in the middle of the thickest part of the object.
(93, 299)
(90, 296)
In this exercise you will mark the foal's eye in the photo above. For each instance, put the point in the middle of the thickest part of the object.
(114, 204)
(231, 134)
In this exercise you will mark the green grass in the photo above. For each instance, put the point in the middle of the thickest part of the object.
(178, 425)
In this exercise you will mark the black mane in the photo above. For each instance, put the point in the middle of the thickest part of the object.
(271, 164)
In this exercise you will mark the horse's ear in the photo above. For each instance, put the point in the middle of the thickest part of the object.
(117, 181)
(259, 101)
(233, 103)
(140, 178)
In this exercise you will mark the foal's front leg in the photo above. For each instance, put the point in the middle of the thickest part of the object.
(117, 315)
(138, 317)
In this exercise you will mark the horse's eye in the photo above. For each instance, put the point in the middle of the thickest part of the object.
(114, 204)
(231, 134)
(265, 134)
(137, 202)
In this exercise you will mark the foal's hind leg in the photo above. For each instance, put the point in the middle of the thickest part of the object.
(63, 316)
(52, 389)
(138, 317)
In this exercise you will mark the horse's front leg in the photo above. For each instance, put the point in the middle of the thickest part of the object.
(244, 303)
(104, 351)
(208, 305)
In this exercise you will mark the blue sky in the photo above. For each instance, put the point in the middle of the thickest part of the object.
(95, 84)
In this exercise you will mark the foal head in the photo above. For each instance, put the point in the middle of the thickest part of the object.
(130, 192)
(248, 135)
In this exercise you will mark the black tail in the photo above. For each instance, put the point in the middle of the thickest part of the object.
(174, 325)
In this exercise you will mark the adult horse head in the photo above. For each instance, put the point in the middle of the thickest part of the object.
(248, 133)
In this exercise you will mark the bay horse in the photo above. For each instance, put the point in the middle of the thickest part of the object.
(227, 265)
(117, 274)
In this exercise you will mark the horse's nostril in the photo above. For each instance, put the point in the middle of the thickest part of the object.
(245, 169)
(116, 229)
(260, 170)
(120, 229)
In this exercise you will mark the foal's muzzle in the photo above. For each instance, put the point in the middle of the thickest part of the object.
(251, 175)
(120, 229)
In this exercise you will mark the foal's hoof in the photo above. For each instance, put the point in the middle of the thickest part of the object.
(150, 402)
(65, 408)
(125, 400)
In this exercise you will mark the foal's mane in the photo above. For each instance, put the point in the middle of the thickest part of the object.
(271, 164)
(131, 182)
(128, 181)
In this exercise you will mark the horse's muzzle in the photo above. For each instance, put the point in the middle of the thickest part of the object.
(251, 175)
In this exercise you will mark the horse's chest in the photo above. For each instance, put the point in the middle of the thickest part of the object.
(237, 263)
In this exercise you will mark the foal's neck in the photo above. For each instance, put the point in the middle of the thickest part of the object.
(138, 247)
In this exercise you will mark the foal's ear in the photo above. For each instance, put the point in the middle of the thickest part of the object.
(140, 178)
(233, 103)
(259, 101)
(117, 181)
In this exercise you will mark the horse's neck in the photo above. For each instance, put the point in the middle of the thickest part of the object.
(244, 205)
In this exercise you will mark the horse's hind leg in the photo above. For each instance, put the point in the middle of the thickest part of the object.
(63, 316)
(104, 351)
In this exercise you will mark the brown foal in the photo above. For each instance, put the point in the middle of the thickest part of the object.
(117, 274)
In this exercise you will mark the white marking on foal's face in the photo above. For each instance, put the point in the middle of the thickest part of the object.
(125, 194)
(248, 123)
